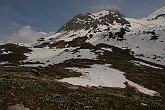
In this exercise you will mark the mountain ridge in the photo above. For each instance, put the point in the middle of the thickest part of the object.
(141, 36)
(88, 20)
(157, 12)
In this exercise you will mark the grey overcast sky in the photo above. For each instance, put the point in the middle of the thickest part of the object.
(50, 15)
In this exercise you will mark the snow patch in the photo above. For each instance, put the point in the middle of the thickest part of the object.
(17, 107)
(145, 64)
(55, 56)
(100, 14)
(108, 49)
(103, 75)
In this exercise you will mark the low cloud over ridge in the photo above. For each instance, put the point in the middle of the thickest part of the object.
(25, 35)
(104, 7)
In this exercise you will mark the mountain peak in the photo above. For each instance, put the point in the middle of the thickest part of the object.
(106, 13)
(88, 20)
(101, 13)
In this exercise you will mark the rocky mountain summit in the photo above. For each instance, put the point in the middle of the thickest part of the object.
(88, 20)
(141, 36)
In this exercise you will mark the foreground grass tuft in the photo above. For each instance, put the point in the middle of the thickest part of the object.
(53, 95)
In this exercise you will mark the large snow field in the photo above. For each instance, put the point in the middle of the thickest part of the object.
(140, 44)
(55, 56)
(103, 75)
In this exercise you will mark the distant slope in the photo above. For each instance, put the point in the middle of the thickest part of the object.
(160, 11)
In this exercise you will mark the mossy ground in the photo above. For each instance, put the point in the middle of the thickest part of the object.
(39, 88)
(54, 95)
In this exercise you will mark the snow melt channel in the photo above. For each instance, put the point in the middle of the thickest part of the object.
(103, 75)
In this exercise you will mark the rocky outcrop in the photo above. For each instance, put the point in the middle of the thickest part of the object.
(88, 20)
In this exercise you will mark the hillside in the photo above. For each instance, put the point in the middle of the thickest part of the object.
(144, 38)
(85, 63)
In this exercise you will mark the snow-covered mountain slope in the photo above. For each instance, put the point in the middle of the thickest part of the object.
(96, 40)
(158, 13)
(144, 37)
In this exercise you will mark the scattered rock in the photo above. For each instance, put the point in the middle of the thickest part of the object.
(73, 87)
(7, 76)
(17, 107)
(35, 72)
(144, 104)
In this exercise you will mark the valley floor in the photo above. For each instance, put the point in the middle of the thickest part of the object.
(53, 87)
(24, 87)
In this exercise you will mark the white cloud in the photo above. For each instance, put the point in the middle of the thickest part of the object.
(1, 42)
(104, 7)
(15, 24)
(25, 35)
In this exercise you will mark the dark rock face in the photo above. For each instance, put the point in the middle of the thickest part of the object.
(77, 23)
(87, 21)
(161, 15)
(121, 33)
(75, 42)
(59, 44)
(42, 45)
(13, 53)
(110, 18)
(153, 33)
